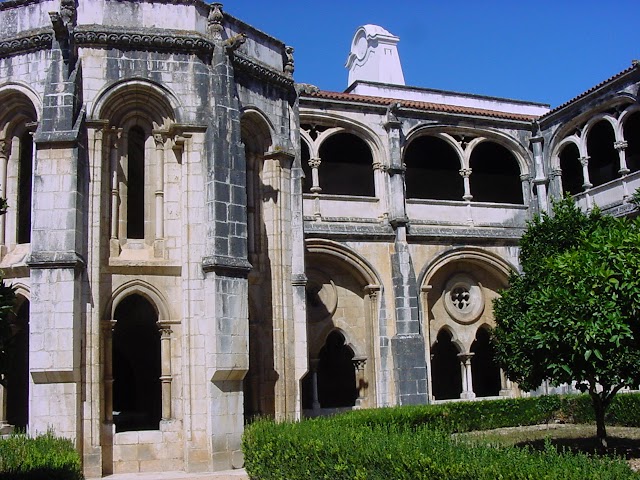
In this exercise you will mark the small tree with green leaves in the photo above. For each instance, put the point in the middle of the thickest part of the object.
(7, 301)
(573, 314)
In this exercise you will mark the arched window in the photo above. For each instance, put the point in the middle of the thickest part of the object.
(17, 396)
(572, 179)
(135, 183)
(25, 175)
(632, 137)
(336, 374)
(495, 174)
(446, 372)
(484, 370)
(433, 170)
(137, 395)
(603, 157)
(346, 166)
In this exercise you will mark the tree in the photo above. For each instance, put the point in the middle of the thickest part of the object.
(7, 301)
(573, 313)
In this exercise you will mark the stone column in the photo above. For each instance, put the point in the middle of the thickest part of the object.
(165, 371)
(314, 163)
(621, 147)
(159, 139)
(3, 185)
(361, 383)
(555, 182)
(467, 378)
(539, 179)
(379, 170)
(584, 161)
(313, 365)
(115, 136)
(466, 173)
(107, 362)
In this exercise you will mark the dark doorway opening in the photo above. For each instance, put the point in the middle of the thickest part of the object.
(25, 185)
(446, 373)
(484, 370)
(137, 394)
(495, 175)
(18, 375)
(347, 166)
(336, 374)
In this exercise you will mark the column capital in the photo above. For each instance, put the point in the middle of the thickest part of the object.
(555, 172)
(372, 290)
(4, 144)
(359, 363)
(465, 172)
(380, 166)
(621, 145)
(314, 162)
(584, 161)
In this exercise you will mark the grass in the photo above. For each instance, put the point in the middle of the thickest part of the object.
(623, 441)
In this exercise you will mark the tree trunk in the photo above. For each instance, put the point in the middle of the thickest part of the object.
(600, 409)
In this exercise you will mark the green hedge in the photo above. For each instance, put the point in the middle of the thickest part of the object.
(42, 457)
(415, 442)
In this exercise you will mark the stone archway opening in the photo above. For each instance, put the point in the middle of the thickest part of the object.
(137, 393)
(632, 137)
(446, 372)
(433, 170)
(495, 174)
(346, 166)
(336, 373)
(17, 413)
(572, 180)
(603, 157)
(484, 370)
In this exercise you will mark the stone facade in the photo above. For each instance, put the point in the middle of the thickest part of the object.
(195, 239)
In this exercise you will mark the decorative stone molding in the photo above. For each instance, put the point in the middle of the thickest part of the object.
(249, 66)
(621, 145)
(143, 39)
(35, 41)
(463, 299)
(380, 166)
(314, 162)
(556, 172)
(227, 266)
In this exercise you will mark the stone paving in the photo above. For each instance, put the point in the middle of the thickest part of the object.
(239, 474)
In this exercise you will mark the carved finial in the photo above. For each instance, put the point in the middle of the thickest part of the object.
(288, 64)
(68, 12)
(215, 21)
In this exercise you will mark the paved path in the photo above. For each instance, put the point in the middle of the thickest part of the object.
(224, 475)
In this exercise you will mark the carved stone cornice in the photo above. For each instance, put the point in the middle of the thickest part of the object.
(35, 40)
(260, 71)
(143, 39)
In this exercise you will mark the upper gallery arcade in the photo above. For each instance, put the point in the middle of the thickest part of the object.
(196, 239)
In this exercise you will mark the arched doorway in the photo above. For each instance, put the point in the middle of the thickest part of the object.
(446, 373)
(484, 370)
(137, 394)
(18, 375)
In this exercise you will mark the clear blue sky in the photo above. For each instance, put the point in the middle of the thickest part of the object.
(544, 51)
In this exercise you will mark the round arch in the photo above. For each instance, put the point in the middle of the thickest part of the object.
(519, 151)
(137, 94)
(17, 97)
(365, 273)
(598, 118)
(348, 125)
(257, 130)
(477, 256)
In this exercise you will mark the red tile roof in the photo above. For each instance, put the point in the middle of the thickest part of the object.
(426, 106)
(594, 88)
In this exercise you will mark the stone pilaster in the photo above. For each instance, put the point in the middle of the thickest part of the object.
(58, 242)
(407, 345)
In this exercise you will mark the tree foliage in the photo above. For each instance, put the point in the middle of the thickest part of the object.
(572, 315)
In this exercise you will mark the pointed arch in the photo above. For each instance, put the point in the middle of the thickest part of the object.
(144, 289)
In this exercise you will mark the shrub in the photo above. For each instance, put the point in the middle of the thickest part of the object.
(415, 442)
(42, 457)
